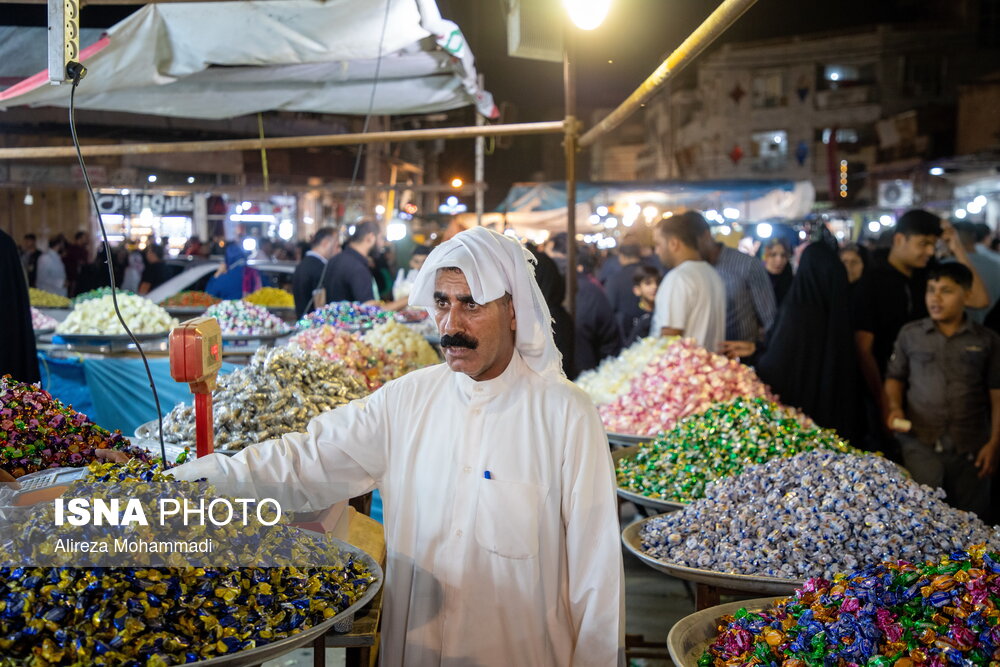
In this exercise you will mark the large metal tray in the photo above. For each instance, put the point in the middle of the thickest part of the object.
(255, 656)
(99, 339)
(658, 504)
(628, 440)
(691, 635)
(232, 338)
(151, 431)
(744, 583)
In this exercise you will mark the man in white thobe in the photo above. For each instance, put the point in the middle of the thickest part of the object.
(495, 474)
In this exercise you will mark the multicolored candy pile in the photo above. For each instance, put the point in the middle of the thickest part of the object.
(399, 340)
(190, 299)
(615, 374)
(370, 364)
(239, 318)
(168, 615)
(719, 443)
(271, 297)
(685, 380)
(277, 392)
(38, 432)
(97, 293)
(896, 613)
(40, 321)
(816, 513)
(349, 315)
(97, 317)
(42, 299)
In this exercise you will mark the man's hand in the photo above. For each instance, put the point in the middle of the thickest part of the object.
(896, 420)
(6, 477)
(736, 349)
(112, 455)
(988, 458)
(950, 237)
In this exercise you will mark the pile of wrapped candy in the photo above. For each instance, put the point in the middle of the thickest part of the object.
(38, 432)
(719, 443)
(400, 340)
(239, 318)
(685, 380)
(371, 365)
(940, 612)
(97, 293)
(615, 374)
(816, 513)
(271, 297)
(349, 315)
(167, 615)
(40, 321)
(97, 317)
(42, 299)
(190, 299)
(278, 392)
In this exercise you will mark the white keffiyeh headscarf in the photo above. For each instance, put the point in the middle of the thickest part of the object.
(493, 265)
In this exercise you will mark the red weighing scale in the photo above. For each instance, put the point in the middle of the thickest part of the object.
(195, 358)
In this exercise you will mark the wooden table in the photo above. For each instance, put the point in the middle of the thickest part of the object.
(363, 639)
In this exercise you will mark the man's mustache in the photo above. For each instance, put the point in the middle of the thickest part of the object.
(459, 340)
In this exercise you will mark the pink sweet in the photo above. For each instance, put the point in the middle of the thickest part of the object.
(686, 380)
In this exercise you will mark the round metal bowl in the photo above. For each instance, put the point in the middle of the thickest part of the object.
(185, 311)
(149, 434)
(691, 635)
(255, 656)
(745, 583)
(657, 504)
(627, 440)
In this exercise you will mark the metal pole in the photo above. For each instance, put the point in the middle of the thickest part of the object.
(717, 23)
(480, 161)
(569, 143)
(513, 129)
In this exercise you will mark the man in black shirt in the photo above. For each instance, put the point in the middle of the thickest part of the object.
(156, 272)
(351, 276)
(891, 295)
(309, 273)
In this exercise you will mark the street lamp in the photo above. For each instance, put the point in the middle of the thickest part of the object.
(587, 14)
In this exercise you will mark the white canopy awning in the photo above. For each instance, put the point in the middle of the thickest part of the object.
(226, 59)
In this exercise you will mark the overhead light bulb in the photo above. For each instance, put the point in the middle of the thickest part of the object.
(587, 14)
(28, 198)
(764, 230)
(936, 171)
(874, 226)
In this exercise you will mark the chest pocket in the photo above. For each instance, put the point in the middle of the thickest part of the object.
(973, 364)
(507, 517)
(922, 358)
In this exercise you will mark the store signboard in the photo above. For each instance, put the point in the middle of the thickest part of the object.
(134, 203)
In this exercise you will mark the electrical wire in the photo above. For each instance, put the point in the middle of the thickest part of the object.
(76, 76)
(361, 147)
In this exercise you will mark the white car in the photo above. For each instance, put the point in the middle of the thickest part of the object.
(195, 274)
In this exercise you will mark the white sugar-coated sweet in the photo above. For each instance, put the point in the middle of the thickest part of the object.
(611, 379)
(814, 514)
(97, 317)
(239, 318)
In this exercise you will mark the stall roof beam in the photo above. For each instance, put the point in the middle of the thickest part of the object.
(514, 129)
(718, 21)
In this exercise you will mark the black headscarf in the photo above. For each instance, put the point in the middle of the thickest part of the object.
(781, 283)
(553, 287)
(810, 360)
(18, 355)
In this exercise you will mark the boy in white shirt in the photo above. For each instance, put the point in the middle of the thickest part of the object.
(691, 300)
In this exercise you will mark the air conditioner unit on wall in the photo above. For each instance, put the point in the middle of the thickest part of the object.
(534, 29)
(895, 194)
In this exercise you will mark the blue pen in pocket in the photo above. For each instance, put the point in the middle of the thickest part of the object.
(487, 475)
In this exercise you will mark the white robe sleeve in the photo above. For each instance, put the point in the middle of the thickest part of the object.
(593, 546)
(342, 454)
